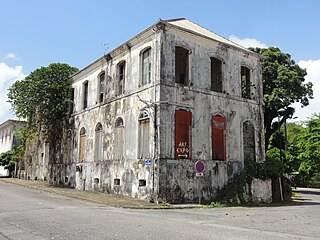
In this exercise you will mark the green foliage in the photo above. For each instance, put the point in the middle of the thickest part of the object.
(6, 160)
(283, 84)
(43, 96)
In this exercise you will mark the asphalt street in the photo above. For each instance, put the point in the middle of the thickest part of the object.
(32, 214)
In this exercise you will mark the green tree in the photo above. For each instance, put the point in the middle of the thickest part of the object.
(6, 160)
(43, 96)
(283, 84)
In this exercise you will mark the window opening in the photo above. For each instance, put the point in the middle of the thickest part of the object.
(85, 94)
(118, 139)
(98, 143)
(82, 144)
(101, 86)
(183, 134)
(181, 65)
(218, 138)
(121, 78)
(245, 82)
(146, 67)
(216, 75)
(249, 142)
(143, 135)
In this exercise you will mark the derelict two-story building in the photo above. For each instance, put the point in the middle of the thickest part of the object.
(174, 94)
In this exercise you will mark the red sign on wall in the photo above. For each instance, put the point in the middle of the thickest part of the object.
(183, 134)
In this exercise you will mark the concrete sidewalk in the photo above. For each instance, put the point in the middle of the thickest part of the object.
(95, 197)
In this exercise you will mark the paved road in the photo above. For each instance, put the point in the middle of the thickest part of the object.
(31, 214)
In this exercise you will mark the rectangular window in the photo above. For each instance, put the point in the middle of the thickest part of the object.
(183, 134)
(216, 75)
(218, 138)
(121, 78)
(82, 148)
(245, 82)
(181, 65)
(85, 94)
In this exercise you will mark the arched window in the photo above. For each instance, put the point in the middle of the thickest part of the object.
(218, 137)
(118, 138)
(101, 86)
(143, 135)
(82, 145)
(98, 153)
(146, 66)
(181, 65)
(249, 152)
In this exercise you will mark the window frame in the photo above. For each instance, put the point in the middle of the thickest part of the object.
(216, 83)
(121, 77)
(185, 66)
(101, 86)
(143, 135)
(85, 93)
(146, 66)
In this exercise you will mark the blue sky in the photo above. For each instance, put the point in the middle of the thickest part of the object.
(35, 33)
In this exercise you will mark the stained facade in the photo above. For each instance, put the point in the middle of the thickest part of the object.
(144, 113)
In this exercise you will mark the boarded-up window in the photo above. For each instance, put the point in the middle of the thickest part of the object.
(183, 134)
(121, 78)
(245, 82)
(69, 147)
(249, 152)
(218, 138)
(216, 75)
(101, 87)
(181, 65)
(146, 67)
(143, 135)
(85, 94)
(82, 145)
(98, 151)
(118, 139)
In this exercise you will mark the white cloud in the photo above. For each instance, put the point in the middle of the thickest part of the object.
(8, 75)
(313, 75)
(10, 56)
(247, 42)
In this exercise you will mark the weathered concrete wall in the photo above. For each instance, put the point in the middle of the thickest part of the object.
(104, 174)
(177, 178)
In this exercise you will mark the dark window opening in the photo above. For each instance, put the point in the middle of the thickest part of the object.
(116, 182)
(85, 94)
(183, 134)
(249, 142)
(96, 180)
(181, 65)
(218, 138)
(101, 86)
(121, 78)
(245, 82)
(66, 179)
(142, 182)
(216, 75)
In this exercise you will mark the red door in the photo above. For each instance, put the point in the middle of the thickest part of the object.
(183, 134)
(218, 138)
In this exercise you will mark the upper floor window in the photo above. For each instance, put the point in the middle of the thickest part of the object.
(85, 93)
(146, 67)
(181, 65)
(71, 104)
(121, 78)
(216, 74)
(101, 87)
(245, 82)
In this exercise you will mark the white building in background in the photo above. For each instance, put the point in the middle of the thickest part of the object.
(8, 138)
